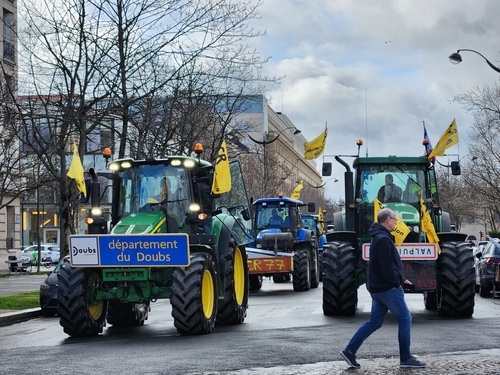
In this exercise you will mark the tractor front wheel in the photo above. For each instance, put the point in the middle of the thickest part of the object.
(301, 271)
(127, 314)
(340, 291)
(456, 290)
(79, 315)
(194, 296)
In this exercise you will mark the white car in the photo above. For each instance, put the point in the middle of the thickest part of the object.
(47, 250)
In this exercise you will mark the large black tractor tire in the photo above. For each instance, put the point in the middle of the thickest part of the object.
(233, 308)
(281, 278)
(315, 270)
(127, 314)
(340, 291)
(255, 282)
(456, 294)
(320, 265)
(301, 271)
(77, 315)
(484, 291)
(194, 296)
(430, 301)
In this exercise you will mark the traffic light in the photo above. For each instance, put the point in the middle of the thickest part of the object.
(480, 234)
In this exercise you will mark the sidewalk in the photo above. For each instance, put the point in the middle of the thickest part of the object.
(456, 363)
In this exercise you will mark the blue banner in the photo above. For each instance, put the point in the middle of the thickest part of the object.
(152, 250)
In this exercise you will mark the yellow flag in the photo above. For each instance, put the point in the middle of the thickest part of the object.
(316, 147)
(76, 171)
(321, 221)
(401, 230)
(296, 192)
(448, 139)
(222, 174)
(428, 226)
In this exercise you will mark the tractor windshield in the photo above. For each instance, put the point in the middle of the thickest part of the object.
(392, 184)
(272, 215)
(149, 187)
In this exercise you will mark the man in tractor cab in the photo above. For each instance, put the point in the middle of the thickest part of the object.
(203, 196)
(389, 192)
(275, 219)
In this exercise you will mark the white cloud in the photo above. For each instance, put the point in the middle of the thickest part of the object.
(377, 69)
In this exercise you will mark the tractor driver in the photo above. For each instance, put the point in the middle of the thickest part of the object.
(275, 219)
(389, 192)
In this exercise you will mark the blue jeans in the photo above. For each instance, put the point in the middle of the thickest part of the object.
(394, 301)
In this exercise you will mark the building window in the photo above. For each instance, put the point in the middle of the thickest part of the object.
(8, 40)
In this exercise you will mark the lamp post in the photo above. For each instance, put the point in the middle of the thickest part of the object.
(456, 58)
(323, 184)
(264, 143)
(455, 165)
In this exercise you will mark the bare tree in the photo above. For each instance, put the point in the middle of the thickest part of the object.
(482, 177)
(148, 71)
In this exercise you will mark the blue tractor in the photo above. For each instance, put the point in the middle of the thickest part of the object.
(312, 222)
(284, 248)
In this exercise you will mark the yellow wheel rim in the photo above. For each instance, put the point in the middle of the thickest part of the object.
(239, 276)
(95, 310)
(207, 294)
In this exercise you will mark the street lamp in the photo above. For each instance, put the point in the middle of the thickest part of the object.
(264, 143)
(323, 184)
(455, 165)
(455, 58)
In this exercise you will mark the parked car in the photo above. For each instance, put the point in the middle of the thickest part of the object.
(48, 291)
(486, 265)
(47, 250)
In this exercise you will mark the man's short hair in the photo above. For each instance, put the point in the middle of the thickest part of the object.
(384, 214)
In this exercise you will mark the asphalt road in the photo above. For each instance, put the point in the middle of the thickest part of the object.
(283, 328)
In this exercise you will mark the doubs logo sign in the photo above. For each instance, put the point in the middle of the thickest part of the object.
(84, 251)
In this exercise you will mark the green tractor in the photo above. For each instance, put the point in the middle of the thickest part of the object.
(443, 273)
(158, 243)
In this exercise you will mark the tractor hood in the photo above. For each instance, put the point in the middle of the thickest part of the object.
(405, 212)
(140, 222)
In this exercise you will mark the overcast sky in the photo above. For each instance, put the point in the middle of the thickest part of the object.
(374, 70)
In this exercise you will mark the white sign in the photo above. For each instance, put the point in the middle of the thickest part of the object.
(410, 251)
(83, 251)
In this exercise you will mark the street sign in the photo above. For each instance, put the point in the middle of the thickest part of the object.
(152, 250)
(410, 251)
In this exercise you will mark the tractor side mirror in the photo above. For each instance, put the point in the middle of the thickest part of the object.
(245, 214)
(455, 168)
(86, 199)
(326, 169)
(311, 207)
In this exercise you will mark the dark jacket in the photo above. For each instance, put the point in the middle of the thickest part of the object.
(203, 195)
(385, 269)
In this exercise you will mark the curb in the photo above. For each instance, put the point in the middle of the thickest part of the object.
(19, 316)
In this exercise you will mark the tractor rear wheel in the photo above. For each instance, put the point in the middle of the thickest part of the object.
(78, 315)
(255, 282)
(194, 296)
(456, 290)
(301, 271)
(127, 314)
(320, 265)
(340, 291)
(430, 301)
(233, 308)
(315, 270)
(281, 278)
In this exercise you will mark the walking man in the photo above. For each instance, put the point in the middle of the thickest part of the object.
(385, 281)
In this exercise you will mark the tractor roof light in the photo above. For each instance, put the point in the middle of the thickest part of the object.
(175, 162)
(194, 207)
(359, 142)
(198, 148)
(106, 153)
(189, 163)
